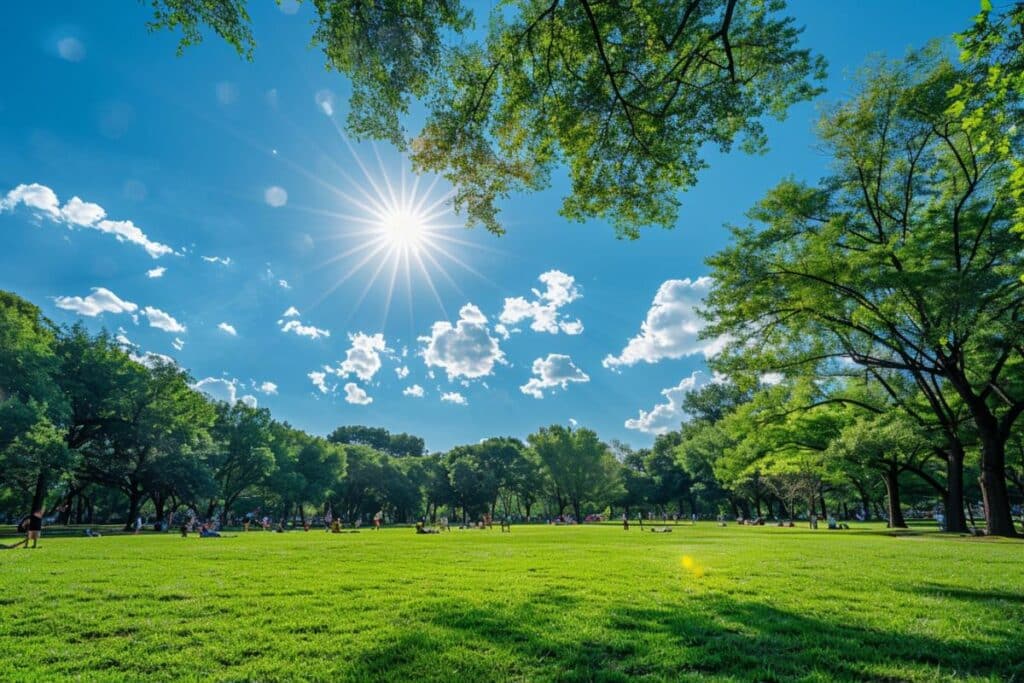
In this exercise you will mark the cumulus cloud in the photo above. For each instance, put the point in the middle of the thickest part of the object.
(100, 301)
(79, 214)
(454, 397)
(222, 260)
(671, 328)
(228, 329)
(283, 284)
(363, 357)
(466, 349)
(219, 388)
(275, 196)
(178, 344)
(156, 272)
(402, 372)
(356, 395)
(249, 400)
(161, 320)
(415, 391)
(71, 49)
(557, 370)
(269, 388)
(298, 328)
(667, 416)
(543, 311)
(292, 312)
(319, 380)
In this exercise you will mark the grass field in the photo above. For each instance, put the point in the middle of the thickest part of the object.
(541, 603)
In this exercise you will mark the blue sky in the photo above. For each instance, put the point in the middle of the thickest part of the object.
(207, 155)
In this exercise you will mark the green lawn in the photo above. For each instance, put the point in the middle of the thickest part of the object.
(541, 603)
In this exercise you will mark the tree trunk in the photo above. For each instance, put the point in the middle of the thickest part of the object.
(998, 518)
(955, 520)
(39, 497)
(824, 510)
(576, 510)
(134, 503)
(892, 494)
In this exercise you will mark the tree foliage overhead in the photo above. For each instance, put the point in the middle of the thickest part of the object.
(625, 95)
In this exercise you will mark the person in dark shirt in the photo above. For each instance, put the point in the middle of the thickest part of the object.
(32, 527)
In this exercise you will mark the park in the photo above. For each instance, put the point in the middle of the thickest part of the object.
(517, 340)
(544, 602)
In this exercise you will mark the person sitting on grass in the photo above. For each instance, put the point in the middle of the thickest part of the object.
(336, 526)
(208, 532)
(420, 529)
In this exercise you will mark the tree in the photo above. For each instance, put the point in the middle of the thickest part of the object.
(626, 94)
(157, 413)
(241, 452)
(380, 439)
(32, 406)
(902, 262)
(580, 466)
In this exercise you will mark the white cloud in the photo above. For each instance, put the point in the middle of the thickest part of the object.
(80, 214)
(219, 388)
(669, 415)
(227, 92)
(249, 400)
(269, 388)
(325, 100)
(275, 196)
(355, 394)
(363, 357)
(415, 390)
(288, 6)
(304, 330)
(71, 49)
(290, 313)
(319, 380)
(222, 260)
(100, 301)
(544, 310)
(283, 284)
(454, 397)
(770, 379)
(671, 328)
(178, 344)
(557, 370)
(156, 272)
(228, 328)
(466, 349)
(151, 359)
(402, 372)
(161, 320)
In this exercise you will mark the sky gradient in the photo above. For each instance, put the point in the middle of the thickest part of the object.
(209, 209)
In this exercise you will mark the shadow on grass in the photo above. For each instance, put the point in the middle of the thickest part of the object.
(984, 597)
(714, 636)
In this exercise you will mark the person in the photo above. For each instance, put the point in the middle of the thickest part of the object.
(814, 520)
(138, 525)
(208, 532)
(832, 523)
(443, 523)
(336, 526)
(30, 525)
(92, 534)
(421, 529)
(625, 522)
(506, 526)
(940, 519)
(377, 520)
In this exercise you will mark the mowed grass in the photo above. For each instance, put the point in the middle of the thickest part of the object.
(542, 603)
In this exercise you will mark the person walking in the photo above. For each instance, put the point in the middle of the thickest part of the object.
(32, 526)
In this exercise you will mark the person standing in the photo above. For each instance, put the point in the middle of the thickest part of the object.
(377, 520)
(625, 522)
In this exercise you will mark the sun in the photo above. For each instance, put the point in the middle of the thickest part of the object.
(396, 233)
(404, 227)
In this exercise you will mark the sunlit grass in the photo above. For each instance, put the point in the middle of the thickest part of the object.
(541, 603)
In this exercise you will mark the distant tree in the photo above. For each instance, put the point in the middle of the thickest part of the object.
(241, 454)
(379, 439)
(628, 95)
(580, 466)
